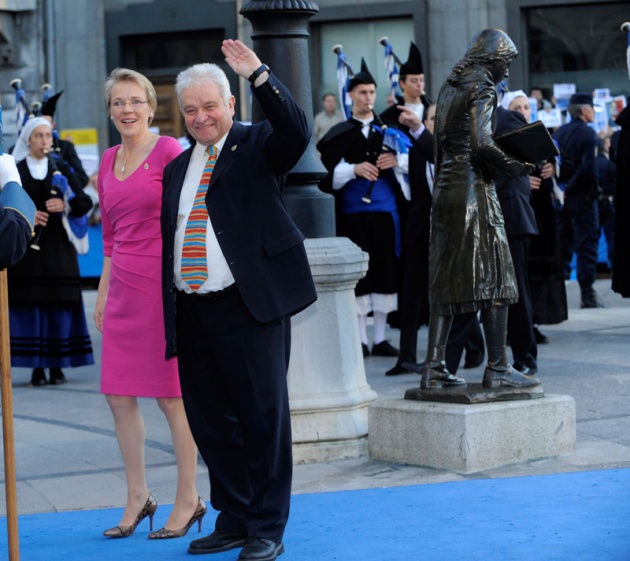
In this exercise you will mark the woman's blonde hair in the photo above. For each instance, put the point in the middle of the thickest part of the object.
(127, 75)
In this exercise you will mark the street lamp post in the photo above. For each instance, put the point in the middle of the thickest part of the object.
(280, 38)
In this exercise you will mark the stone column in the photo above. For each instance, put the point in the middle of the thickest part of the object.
(328, 389)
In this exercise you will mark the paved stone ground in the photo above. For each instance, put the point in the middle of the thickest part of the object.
(67, 456)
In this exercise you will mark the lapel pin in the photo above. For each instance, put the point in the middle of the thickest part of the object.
(233, 148)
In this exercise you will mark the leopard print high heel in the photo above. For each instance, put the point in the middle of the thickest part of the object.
(148, 509)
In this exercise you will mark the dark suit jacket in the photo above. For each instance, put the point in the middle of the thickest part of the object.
(261, 244)
(417, 228)
(514, 193)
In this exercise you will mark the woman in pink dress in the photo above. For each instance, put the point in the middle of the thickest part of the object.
(129, 307)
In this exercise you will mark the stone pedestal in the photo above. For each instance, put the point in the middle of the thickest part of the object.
(328, 390)
(470, 438)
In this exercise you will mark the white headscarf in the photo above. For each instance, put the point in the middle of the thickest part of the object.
(21, 149)
(509, 97)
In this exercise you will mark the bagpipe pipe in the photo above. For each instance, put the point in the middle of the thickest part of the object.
(22, 108)
(344, 75)
(59, 188)
(76, 227)
(392, 65)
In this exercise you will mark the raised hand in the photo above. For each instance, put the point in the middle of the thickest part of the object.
(240, 57)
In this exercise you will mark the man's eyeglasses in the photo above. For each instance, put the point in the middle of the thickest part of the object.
(135, 103)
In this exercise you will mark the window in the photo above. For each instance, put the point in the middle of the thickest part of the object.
(580, 44)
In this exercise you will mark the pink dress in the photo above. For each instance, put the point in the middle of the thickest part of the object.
(133, 362)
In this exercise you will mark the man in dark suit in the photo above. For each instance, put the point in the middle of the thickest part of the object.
(230, 326)
(414, 294)
(579, 219)
(520, 226)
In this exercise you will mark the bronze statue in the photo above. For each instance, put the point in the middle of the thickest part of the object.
(470, 267)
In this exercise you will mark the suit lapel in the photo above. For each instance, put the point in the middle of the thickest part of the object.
(233, 144)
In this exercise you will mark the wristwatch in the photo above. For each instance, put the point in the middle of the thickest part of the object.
(262, 68)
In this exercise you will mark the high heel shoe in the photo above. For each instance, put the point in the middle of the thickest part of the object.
(148, 509)
(166, 534)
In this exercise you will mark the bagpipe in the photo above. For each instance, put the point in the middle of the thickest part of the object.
(394, 141)
(76, 227)
(344, 75)
(22, 109)
(392, 65)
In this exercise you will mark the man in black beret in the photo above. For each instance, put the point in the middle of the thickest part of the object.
(363, 179)
(408, 113)
(579, 220)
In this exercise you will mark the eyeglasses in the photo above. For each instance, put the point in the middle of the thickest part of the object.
(135, 103)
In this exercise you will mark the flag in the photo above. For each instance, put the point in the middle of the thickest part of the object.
(343, 77)
(391, 68)
(21, 115)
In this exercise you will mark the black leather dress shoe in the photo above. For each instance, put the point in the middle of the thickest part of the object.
(384, 348)
(260, 549)
(405, 368)
(525, 370)
(216, 542)
(541, 338)
(365, 350)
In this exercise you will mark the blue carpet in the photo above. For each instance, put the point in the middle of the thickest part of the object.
(563, 517)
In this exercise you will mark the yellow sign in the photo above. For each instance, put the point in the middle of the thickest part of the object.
(80, 136)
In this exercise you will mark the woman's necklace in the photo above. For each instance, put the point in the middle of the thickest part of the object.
(124, 157)
(123, 168)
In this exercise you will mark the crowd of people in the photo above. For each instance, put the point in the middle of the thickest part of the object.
(203, 266)
(551, 214)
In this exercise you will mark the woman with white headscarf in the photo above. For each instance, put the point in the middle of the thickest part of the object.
(48, 325)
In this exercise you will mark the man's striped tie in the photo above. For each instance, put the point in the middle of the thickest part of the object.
(194, 263)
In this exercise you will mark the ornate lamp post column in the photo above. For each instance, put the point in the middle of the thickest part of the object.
(280, 39)
(328, 390)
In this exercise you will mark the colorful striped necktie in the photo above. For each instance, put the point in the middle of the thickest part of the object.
(194, 263)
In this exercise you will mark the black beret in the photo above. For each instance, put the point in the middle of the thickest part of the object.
(581, 98)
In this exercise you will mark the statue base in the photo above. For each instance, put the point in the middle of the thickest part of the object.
(468, 438)
(474, 393)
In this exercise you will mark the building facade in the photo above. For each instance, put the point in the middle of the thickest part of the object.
(74, 44)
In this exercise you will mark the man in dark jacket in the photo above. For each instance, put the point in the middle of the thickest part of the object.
(579, 222)
(228, 306)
